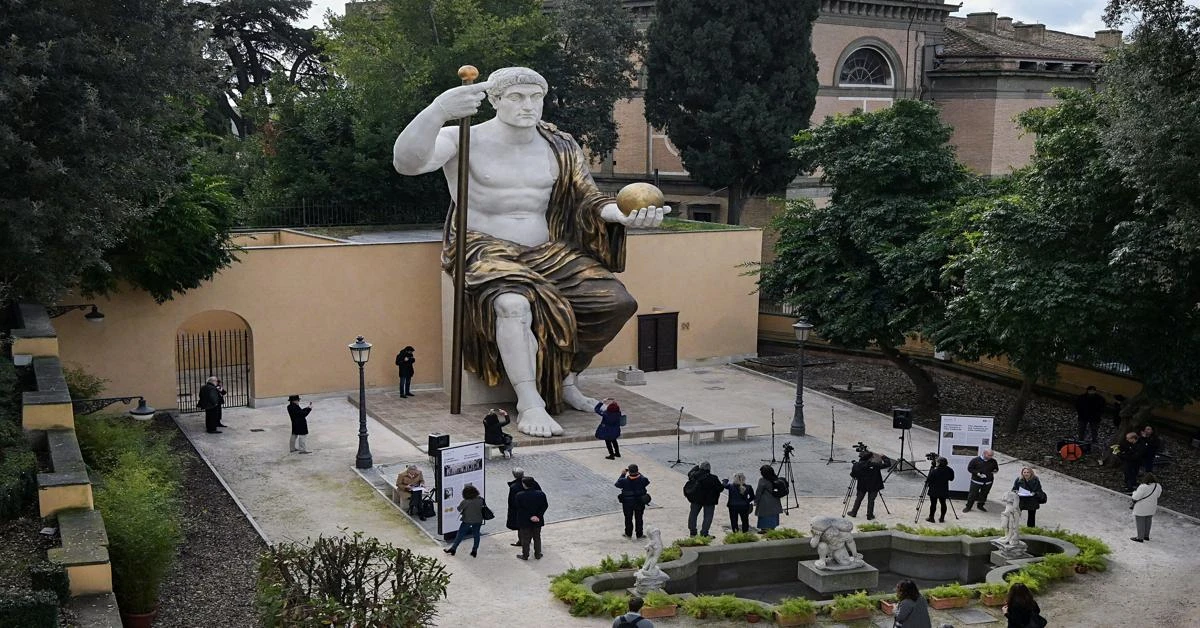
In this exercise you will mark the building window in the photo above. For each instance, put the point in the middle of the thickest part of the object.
(866, 67)
(703, 212)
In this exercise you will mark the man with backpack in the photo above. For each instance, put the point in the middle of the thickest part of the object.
(870, 480)
(703, 490)
(633, 619)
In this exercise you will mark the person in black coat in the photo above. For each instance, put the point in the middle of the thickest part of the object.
(983, 470)
(1132, 452)
(703, 490)
(299, 417)
(212, 397)
(531, 516)
(405, 361)
(1090, 408)
(514, 488)
(494, 435)
(939, 481)
(740, 502)
(868, 472)
(633, 498)
(1150, 446)
(609, 429)
(1029, 483)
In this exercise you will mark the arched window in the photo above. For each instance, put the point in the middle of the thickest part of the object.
(865, 67)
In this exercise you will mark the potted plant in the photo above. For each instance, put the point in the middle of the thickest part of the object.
(1061, 564)
(887, 604)
(953, 595)
(779, 534)
(733, 538)
(1089, 561)
(1024, 578)
(660, 604)
(701, 606)
(849, 606)
(754, 612)
(795, 611)
(993, 594)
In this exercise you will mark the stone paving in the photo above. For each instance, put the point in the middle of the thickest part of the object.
(293, 497)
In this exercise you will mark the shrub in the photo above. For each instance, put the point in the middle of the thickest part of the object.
(1083, 542)
(953, 589)
(658, 599)
(48, 576)
(993, 588)
(608, 564)
(796, 606)
(949, 531)
(10, 392)
(871, 526)
(104, 440)
(1025, 578)
(38, 609)
(350, 580)
(749, 607)
(11, 434)
(1091, 560)
(612, 604)
(851, 601)
(693, 541)
(142, 520)
(578, 574)
(734, 538)
(778, 534)
(81, 384)
(18, 481)
(670, 553)
(726, 606)
(1059, 562)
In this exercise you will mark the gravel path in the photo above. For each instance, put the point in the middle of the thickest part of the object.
(1046, 420)
(214, 577)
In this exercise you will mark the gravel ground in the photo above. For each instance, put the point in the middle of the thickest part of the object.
(1046, 420)
(214, 577)
(21, 545)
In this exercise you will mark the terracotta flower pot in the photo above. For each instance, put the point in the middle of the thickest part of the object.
(654, 612)
(852, 614)
(943, 603)
(888, 608)
(138, 620)
(794, 620)
(753, 618)
(1081, 569)
(993, 600)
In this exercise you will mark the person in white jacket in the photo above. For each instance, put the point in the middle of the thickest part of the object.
(1145, 504)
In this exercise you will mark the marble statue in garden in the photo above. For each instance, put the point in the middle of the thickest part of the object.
(650, 577)
(1010, 522)
(835, 544)
(542, 243)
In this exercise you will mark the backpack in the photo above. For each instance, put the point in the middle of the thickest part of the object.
(691, 488)
(779, 488)
(624, 621)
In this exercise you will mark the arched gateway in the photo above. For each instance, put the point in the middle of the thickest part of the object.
(215, 342)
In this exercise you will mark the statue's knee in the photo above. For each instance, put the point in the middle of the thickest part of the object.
(625, 304)
(510, 305)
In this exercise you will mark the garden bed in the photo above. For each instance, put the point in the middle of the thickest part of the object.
(1047, 419)
(215, 575)
(21, 545)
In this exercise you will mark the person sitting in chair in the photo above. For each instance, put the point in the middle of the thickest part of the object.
(406, 481)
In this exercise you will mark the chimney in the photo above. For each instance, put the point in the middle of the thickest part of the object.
(985, 22)
(1030, 33)
(1004, 24)
(1110, 38)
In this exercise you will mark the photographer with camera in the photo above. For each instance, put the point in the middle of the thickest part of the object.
(494, 435)
(868, 473)
(940, 477)
(983, 471)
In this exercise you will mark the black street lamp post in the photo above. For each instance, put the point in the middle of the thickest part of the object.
(360, 352)
(802, 327)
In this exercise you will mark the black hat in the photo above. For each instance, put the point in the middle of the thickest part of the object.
(294, 398)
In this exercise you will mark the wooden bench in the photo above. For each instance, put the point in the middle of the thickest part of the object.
(718, 431)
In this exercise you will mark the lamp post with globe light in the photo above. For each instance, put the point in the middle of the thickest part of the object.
(360, 352)
(802, 327)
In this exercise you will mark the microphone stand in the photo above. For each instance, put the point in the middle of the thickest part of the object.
(773, 461)
(832, 434)
(679, 432)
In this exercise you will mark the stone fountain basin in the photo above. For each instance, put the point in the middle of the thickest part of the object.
(941, 559)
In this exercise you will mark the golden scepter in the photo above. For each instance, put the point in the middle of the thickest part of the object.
(468, 74)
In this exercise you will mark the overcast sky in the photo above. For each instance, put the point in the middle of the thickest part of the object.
(1073, 16)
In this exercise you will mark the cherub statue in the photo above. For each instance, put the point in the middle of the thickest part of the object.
(654, 548)
(835, 544)
(1010, 521)
(650, 577)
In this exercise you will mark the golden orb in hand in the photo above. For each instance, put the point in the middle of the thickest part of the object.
(635, 196)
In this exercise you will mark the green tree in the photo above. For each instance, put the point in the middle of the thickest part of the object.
(732, 83)
(590, 67)
(93, 95)
(866, 268)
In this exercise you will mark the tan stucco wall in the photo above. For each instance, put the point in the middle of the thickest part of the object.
(305, 304)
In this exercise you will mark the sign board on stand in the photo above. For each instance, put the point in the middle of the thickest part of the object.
(457, 466)
(961, 439)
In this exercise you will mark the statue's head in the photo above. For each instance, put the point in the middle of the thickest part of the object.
(822, 523)
(517, 95)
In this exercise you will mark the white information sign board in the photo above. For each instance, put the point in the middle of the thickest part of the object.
(458, 466)
(961, 439)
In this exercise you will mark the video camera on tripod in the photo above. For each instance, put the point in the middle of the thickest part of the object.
(859, 447)
(932, 457)
(787, 450)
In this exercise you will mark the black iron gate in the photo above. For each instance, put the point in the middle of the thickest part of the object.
(224, 353)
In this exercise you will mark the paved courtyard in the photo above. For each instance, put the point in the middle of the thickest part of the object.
(292, 497)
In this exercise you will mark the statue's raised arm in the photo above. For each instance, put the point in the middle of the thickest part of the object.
(427, 144)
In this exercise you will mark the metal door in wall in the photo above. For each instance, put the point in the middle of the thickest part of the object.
(224, 353)
(658, 341)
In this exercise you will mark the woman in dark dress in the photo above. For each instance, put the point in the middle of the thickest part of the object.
(494, 435)
(1029, 483)
(1021, 608)
(939, 488)
(609, 429)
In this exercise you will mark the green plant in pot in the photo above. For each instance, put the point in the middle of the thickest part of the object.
(660, 604)
(953, 595)
(993, 594)
(142, 519)
(795, 611)
(857, 605)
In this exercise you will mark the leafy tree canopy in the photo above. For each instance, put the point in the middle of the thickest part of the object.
(732, 83)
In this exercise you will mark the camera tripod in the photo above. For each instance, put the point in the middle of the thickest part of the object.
(901, 465)
(850, 491)
(791, 498)
(925, 492)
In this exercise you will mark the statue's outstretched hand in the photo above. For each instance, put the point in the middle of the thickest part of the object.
(462, 101)
(644, 218)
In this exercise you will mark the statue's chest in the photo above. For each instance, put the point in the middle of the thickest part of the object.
(532, 165)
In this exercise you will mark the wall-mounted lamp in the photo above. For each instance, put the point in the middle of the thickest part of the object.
(94, 316)
(142, 412)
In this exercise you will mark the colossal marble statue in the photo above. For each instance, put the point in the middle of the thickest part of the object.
(542, 243)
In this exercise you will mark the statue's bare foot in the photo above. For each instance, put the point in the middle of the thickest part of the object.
(537, 422)
(576, 399)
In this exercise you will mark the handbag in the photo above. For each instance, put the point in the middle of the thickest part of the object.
(488, 515)
(624, 420)
(646, 498)
(1041, 496)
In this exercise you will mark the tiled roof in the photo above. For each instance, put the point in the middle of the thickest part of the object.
(968, 42)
